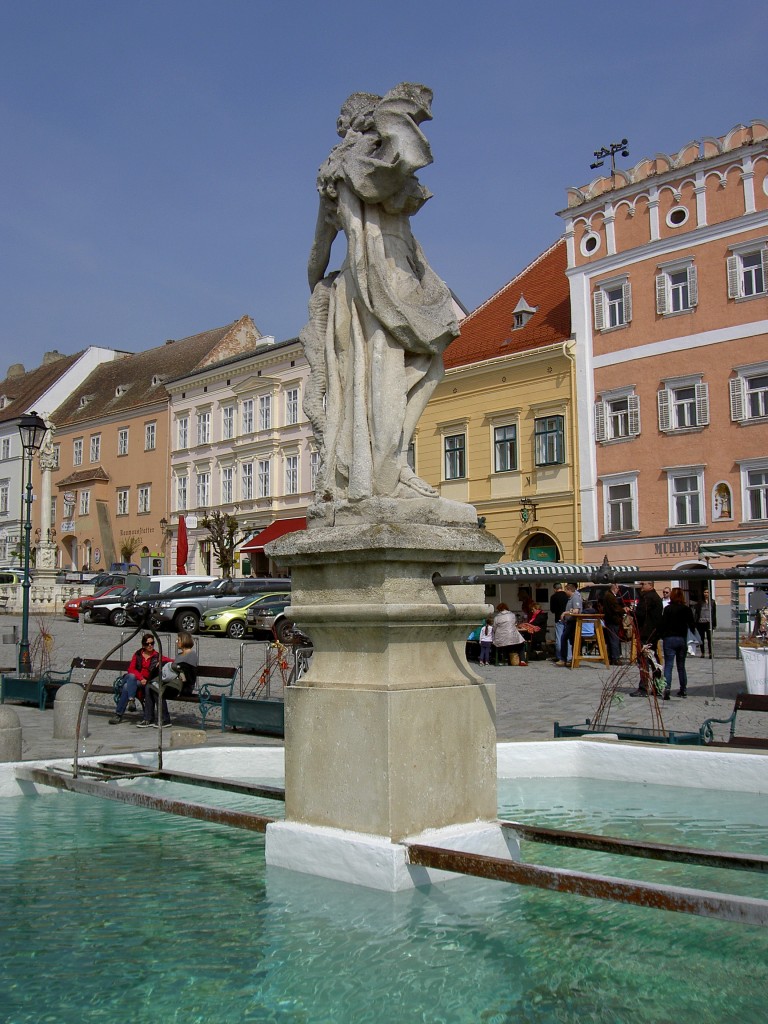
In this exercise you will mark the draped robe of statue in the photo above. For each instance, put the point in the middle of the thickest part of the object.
(378, 327)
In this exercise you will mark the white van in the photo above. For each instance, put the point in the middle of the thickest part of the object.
(159, 584)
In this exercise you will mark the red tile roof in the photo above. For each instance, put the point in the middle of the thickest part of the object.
(488, 331)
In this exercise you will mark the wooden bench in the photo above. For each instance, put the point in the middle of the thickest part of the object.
(209, 691)
(744, 702)
(39, 690)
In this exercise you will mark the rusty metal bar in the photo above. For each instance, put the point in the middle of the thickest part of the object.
(202, 812)
(701, 903)
(126, 770)
(631, 848)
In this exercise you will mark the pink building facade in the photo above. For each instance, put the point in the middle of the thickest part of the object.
(668, 271)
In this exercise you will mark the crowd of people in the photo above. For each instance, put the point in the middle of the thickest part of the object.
(663, 630)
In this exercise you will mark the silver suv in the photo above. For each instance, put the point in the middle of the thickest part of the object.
(185, 613)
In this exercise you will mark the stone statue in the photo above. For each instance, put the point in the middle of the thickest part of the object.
(379, 325)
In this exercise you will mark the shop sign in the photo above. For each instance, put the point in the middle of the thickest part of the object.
(677, 548)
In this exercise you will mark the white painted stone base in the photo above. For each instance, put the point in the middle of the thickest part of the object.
(374, 861)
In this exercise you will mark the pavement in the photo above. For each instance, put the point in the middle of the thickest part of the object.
(529, 699)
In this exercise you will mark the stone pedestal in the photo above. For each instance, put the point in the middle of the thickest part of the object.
(390, 732)
(66, 710)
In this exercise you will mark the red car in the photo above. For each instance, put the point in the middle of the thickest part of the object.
(72, 607)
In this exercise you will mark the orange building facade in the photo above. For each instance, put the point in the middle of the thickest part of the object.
(668, 271)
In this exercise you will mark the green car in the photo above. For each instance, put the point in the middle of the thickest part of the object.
(230, 621)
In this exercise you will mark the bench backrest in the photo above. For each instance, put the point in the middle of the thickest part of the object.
(751, 702)
(205, 672)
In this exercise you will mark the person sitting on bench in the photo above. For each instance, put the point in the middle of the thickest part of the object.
(143, 667)
(177, 677)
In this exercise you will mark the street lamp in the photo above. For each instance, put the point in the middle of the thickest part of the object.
(32, 430)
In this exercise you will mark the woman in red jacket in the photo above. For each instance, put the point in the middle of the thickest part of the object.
(144, 666)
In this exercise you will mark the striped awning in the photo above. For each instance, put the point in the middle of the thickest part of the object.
(742, 546)
(553, 570)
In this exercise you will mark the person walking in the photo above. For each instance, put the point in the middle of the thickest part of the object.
(507, 638)
(704, 617)
(676, 621)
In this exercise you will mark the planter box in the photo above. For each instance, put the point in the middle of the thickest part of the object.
(30, 689)
(266, 717)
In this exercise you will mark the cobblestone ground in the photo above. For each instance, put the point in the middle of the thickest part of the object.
(529, 699)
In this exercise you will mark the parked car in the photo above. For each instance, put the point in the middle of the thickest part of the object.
(74, 605)
(269, 619)
(111, 608)
(185, 612)
(129, 605)
(231, 621)
(12, 577)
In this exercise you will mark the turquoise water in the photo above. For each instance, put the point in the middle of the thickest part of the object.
(115, 914)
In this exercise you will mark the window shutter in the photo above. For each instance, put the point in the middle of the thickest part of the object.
(764, 262)
(693, 286)
(738, 399)
(702, 405)
(733, 277)
(599, 421)
(665, 409)
(633, 403)
(626, 293)
(599, 312)
(661, 294)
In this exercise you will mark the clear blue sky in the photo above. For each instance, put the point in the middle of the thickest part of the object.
(158, 157)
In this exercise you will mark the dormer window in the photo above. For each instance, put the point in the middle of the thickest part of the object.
(4, 401)
(522, 313)
(85, 399)
(120, 390)
(157, 379)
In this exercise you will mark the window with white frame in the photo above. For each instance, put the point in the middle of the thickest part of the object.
(677, 289)
(265, 412)
(410, 456)
(228, 422)
(182, 432)
(549, 440)
(122, 501)
(747, 267)
(77, 452)
(53, 510)
(204, 428)
(182, 493)
(683, 404)
(85, 502)
(754, 482)
(292, 474)
(620, 503)
(264, 484)
(686, 496)
(203, 489)
(505, 448)
(612, 304)
(150, 436)
(122, 441)
(145, 498)
(246, 491)
(617, 415)
(454, 448)
(4, 496)
(95, 447)
(227, 485)
(6, 452)
(246, 416)
(56, 456)
(291, 406)
(749, 393)
(314, 468)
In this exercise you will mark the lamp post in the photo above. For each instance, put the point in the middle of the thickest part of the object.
(32, 430)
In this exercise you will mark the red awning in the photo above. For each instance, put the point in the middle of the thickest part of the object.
(272, 532)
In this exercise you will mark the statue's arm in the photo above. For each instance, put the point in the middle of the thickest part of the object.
(320, 253)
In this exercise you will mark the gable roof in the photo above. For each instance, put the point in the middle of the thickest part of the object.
(488, 333)
(137, 380)
(24, 390)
